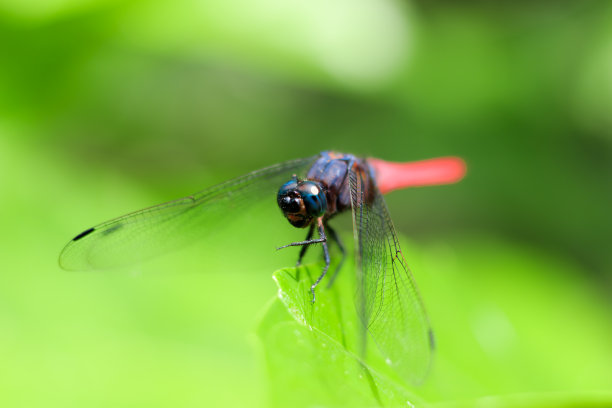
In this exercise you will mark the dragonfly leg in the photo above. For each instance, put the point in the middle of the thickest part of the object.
(336, 238)
(305, 247)
(325, 255)
(303, 243)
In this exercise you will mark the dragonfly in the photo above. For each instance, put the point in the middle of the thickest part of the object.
(309, 192)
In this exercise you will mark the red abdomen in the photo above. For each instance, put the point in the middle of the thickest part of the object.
(393, 176)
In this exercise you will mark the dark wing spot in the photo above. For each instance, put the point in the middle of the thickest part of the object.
(83, 234)
(111, 229)
(432, 339)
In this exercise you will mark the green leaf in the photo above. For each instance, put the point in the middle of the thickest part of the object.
(311, 349)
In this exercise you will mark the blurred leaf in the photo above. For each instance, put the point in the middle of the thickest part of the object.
(356, 44)
(593, 91)
(536, 400)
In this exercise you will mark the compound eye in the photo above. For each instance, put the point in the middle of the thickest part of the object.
(289, 205)
(287, 187)
(314, 198)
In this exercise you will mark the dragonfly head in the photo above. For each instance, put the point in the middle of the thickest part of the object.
(301, 201)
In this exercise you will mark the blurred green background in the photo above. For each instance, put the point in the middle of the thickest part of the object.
(108, 106)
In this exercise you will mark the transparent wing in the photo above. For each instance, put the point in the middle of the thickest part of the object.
(172, 225)
(387, 298)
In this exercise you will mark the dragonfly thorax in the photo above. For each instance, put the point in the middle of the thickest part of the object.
(301, 201)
